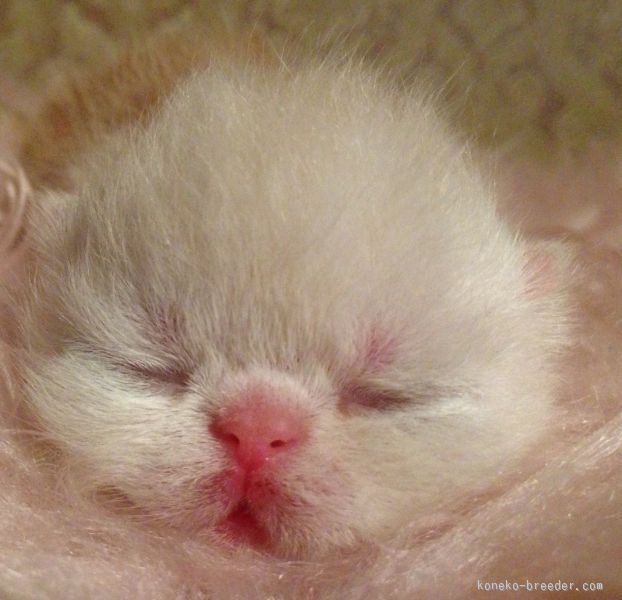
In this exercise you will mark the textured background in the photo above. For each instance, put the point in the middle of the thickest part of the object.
(532, 76)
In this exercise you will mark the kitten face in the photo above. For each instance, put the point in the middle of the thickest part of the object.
(285, 310)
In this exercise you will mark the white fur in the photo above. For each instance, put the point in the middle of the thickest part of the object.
(285, 220)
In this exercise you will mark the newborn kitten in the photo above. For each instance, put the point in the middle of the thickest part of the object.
(274, 302)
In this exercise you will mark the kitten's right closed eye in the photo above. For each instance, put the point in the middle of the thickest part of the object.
(176, 376)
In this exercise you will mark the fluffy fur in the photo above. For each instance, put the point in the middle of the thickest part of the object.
(310, 233)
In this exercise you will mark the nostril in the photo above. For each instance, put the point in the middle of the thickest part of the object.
(230, 439)
(255, 433)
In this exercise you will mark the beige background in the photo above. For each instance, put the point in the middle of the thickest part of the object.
(531, 75)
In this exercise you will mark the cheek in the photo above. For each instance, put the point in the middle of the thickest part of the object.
(378, 448)
(382, 474)
(116, 432)
(404, 466)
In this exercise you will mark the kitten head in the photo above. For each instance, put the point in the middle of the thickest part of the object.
(284, 309)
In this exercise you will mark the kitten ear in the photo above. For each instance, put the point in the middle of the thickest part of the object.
(545, 265)
(25, 215)
(15, 198)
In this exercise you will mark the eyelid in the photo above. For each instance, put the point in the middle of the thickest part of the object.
(368, 396)
(178, 376)
(373, 396)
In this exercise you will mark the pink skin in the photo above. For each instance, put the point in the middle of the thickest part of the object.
(258, 433)
(259, 430)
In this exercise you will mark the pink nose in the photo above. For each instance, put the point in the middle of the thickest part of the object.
(256, 432)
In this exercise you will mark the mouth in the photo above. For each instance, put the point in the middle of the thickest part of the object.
(241, 526)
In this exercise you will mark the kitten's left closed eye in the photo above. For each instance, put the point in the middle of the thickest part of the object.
(358, 395)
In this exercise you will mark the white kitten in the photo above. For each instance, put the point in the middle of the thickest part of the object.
(284, 308)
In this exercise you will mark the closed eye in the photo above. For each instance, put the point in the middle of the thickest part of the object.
(176, 376)
(373, 398)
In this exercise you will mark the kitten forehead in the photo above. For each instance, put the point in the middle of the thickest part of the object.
(224, 175)
(281, 217)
